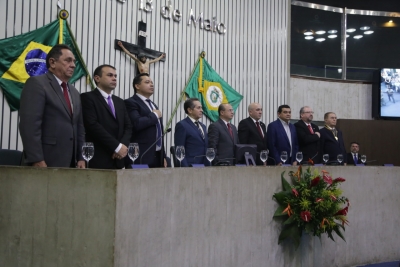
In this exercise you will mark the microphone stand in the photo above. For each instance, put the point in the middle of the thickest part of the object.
(147, 150)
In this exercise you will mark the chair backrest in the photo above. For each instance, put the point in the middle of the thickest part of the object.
(174, 159)
(10, 157)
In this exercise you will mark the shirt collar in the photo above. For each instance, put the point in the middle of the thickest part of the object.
(283, 122)
(141, 97)
(104, 94)
(193, 120)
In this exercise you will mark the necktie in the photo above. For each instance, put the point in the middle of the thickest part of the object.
(158, 126)
(110, 104)
(311, 130)
(198, 126)
(355, 159)
(230, 130)
(259, 129)
(66, 96)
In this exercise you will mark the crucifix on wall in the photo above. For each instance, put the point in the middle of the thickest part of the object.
(145, 56)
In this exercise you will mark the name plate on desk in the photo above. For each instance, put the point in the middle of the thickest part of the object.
(197, 165)
(140, 166)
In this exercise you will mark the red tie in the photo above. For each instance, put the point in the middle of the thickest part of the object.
(230, 130)
(311, 130)
(65, 90)
(259, 129)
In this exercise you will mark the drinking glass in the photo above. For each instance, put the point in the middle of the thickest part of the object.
(133, 151)
(210, 154)
(264, 155)
(363, 158)
(340, 158)
(325, 158)
(283, 156)
(180, 154)
(299, 157)
(87, 152)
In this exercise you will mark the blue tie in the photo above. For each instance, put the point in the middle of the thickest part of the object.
(355, 159)
(158, 125)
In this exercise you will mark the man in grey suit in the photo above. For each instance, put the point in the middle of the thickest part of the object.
(223, 136)
(51, 124)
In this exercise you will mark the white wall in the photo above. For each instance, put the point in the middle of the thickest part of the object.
(252, 56)
(348, 100)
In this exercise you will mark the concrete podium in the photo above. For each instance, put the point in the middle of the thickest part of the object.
(214, 216)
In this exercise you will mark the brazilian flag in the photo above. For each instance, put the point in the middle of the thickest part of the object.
(24, 56)
(206, 85)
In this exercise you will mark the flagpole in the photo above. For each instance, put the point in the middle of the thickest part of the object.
(202, 55)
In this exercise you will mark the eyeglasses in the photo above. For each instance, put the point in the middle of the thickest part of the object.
(311, 112)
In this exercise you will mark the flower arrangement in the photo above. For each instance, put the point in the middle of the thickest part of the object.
(313, 204)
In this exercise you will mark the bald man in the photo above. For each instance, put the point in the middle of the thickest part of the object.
(253, 131)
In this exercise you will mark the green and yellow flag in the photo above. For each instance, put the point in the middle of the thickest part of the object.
(206, 85)
(24, 56)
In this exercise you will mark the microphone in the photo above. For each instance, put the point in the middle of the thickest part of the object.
(273, 160)
(147, 150)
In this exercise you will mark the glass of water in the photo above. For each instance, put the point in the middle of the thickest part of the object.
(133, 151)
(180, 154)
(264, 155)
(363, 158)
(325, 158)
(210, 154)
(299, 157)
(340, 158)
(87, 152)
(283, 156)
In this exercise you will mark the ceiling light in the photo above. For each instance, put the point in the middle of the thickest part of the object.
(332, 36)
(368, 32)
(320, 32)
(358, 37)
(351, 30)
(308, 32)
(332, 31)
(390, 21)
(320, 39)
(347, 36)
(364, 28)
(339, 70)
(309, 37)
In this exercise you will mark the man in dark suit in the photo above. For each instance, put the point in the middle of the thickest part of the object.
(354, 157)
(331, 141)
(282, 136)
(106, 121)
(51, 123)
(147, 123)
(252, 131)
(308, 135)
(192, 134)
(223, 136)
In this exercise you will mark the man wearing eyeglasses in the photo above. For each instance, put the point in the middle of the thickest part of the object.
(308, 135)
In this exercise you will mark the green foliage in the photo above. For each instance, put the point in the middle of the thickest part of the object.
(313, 203)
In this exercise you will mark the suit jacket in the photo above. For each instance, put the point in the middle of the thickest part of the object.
(48, 130)
(220, 139)
(329, 145)
(278, 141)
(144, 132)
(105, 131)
(308, 142)
(188, 135)
(350, 159)
(248, 134)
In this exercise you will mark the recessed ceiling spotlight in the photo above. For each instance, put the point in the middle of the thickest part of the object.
(390, 21)
(364, 28)
(308, 32)
(368, 32)
(351, 30)
(320, 32)
(320, 39)
(332, 31)
(358, 36)
(332, 36)
(309, 37)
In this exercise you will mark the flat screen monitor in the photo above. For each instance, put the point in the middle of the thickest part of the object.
(241, 149)
(389, 104)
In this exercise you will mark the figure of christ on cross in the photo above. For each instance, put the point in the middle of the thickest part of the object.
(141, 61)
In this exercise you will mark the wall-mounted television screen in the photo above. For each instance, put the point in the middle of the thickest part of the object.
(390, 93)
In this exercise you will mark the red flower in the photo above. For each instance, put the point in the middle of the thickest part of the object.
(327, 179)
(305, 216)
(339, 180)
(294, 191)
(311, 162)
(333, 198)
(318, 200)
(342, 211)
(315, 181)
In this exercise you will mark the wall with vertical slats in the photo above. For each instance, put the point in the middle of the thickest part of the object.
(252, 56)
